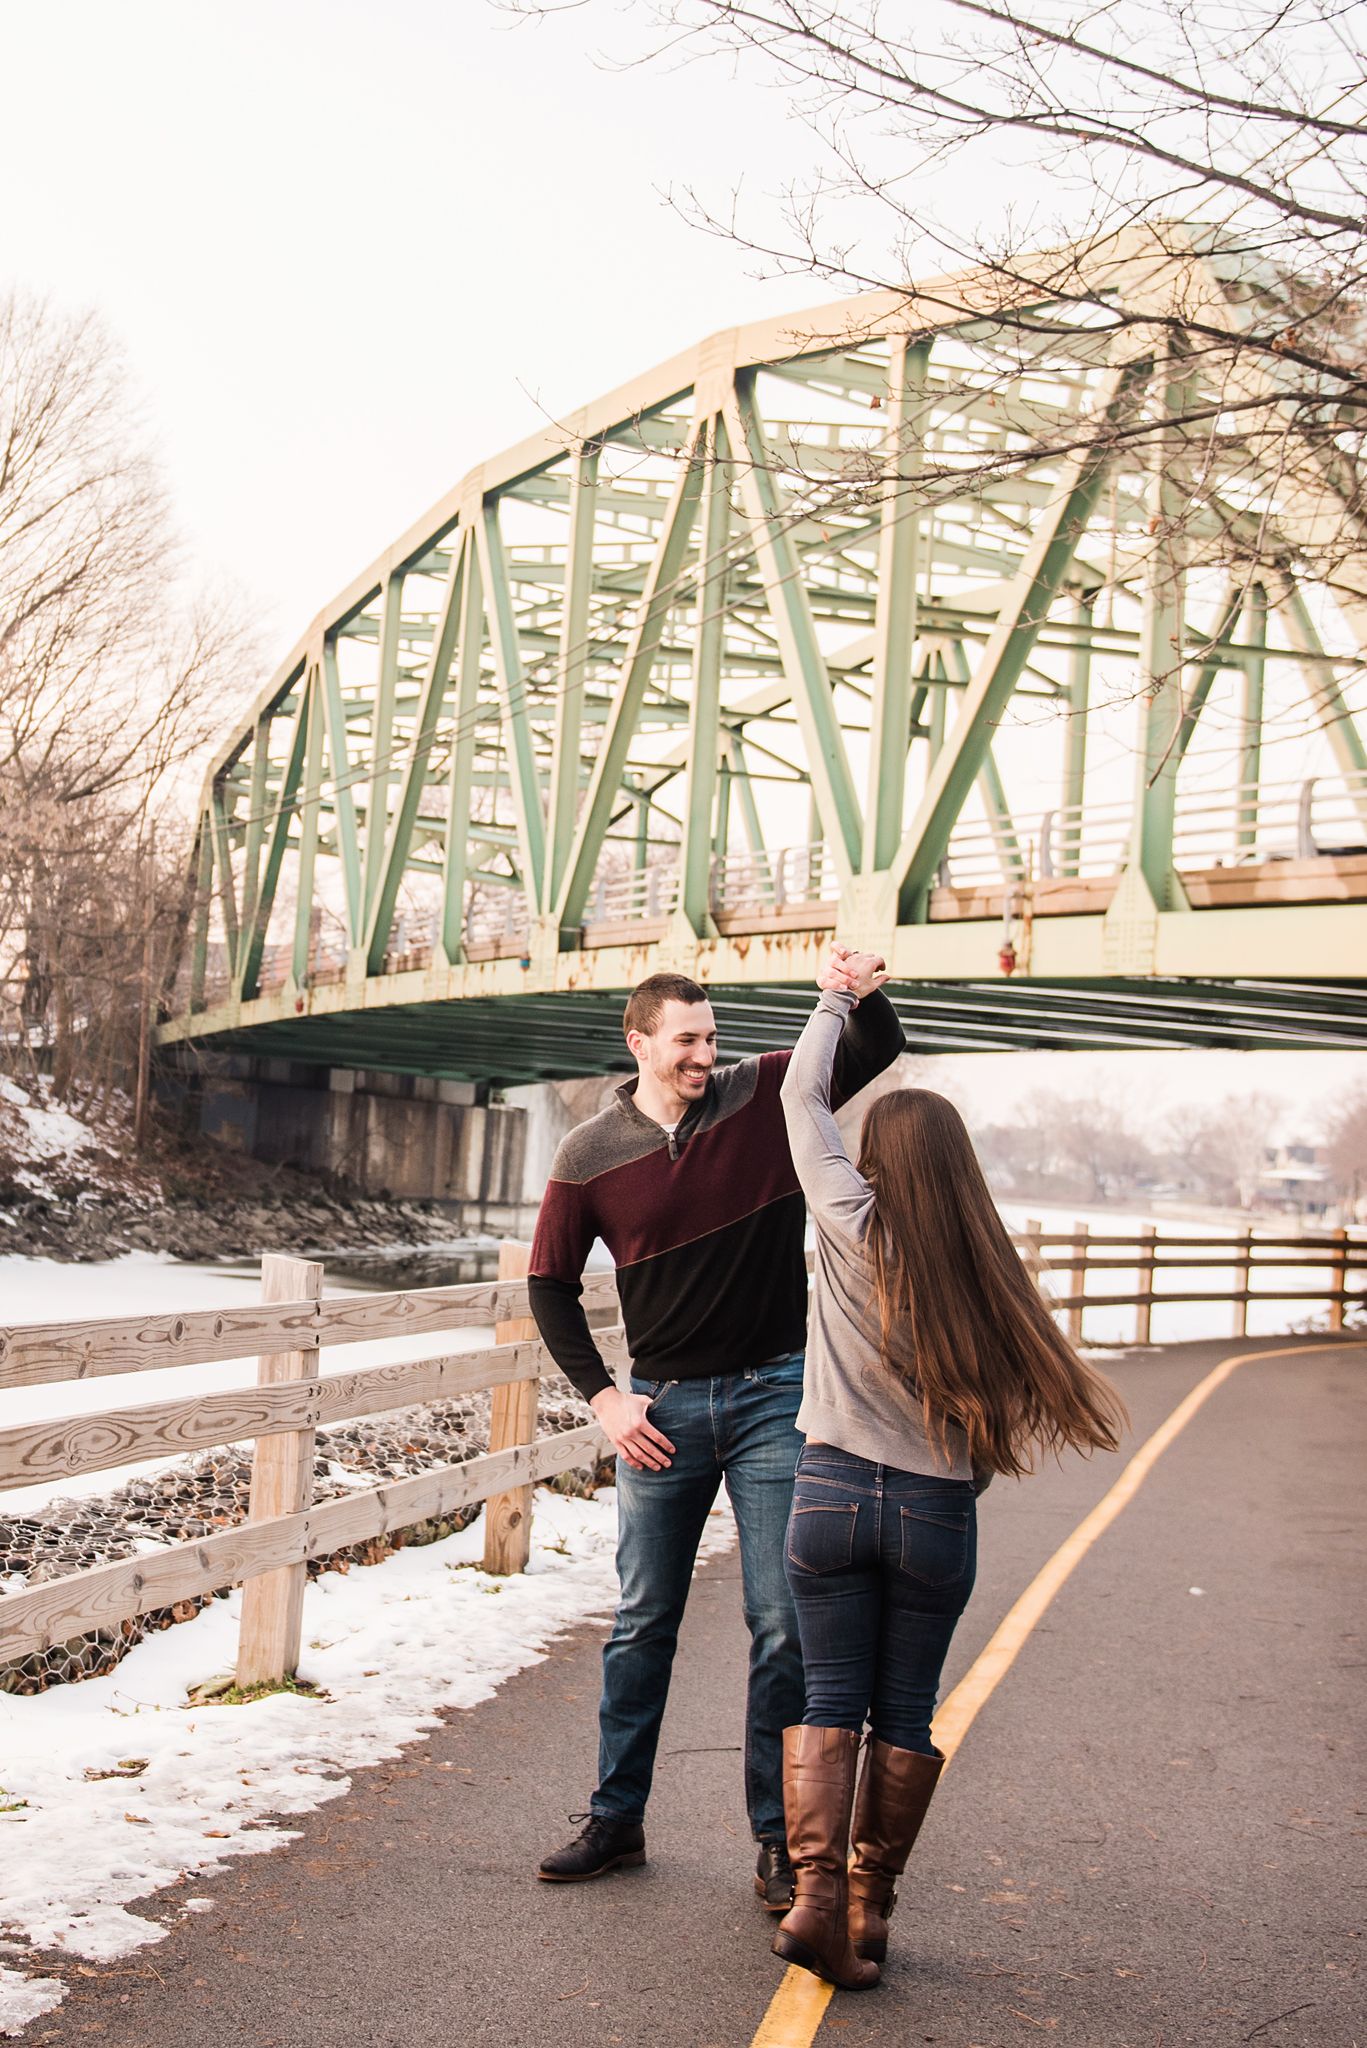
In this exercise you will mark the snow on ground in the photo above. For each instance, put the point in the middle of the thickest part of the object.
(389, 1643)
(48, 1139)
(26, 1998)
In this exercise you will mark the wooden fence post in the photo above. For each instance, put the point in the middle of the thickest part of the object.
(1081, 1233)
(1340, 1270)
(1143, 1312)
(282, 1484)
(508, 1516)
(1034, 1261)
(1244, 1263)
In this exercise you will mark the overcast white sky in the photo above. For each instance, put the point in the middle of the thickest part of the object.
(353, 249)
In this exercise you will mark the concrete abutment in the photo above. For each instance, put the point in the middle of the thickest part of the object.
(482, 1155)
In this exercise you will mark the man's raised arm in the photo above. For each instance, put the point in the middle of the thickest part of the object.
(870, 1042)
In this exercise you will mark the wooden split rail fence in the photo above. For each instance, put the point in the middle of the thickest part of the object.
(1146, 1253)
(288, 1330)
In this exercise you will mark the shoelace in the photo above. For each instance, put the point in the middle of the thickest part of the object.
(594, 1820)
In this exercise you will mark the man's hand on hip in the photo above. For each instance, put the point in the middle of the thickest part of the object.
(623, 1417)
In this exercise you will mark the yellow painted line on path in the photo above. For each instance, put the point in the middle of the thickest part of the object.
(795, 2012)
(800, 2002)
(986, 1673)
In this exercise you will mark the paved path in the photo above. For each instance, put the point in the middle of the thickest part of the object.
(1153, 1833)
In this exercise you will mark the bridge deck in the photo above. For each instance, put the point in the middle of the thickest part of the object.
(1149, 1833)
(1269, 956)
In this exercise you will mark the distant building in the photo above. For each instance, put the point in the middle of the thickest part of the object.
(1295, 1179)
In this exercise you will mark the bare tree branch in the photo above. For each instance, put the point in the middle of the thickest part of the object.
(112, 674)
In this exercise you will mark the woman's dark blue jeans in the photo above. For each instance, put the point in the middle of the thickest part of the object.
(881, 1564)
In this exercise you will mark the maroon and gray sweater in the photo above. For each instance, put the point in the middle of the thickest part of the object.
(706, 1227)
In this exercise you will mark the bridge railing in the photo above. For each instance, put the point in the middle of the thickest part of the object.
(1247, 824)
(1237, 828)
(288, 1331)
(787, 878)
(1278, 1264)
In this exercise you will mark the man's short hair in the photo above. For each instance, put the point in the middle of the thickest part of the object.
(645, 1005)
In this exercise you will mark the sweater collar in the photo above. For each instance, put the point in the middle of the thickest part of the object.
(626, 1102)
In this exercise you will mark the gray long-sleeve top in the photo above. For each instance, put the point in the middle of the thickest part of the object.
(850, 1397)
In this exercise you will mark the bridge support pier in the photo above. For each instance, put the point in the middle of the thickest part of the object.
(386, 1135)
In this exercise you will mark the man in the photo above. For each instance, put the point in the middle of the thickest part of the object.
(688, 1180)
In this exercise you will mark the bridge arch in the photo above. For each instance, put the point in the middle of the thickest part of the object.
(724, 663)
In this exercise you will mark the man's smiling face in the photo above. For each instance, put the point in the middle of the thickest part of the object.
(679, 1054)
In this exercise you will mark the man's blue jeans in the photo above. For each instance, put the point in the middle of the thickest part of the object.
(742, 1428)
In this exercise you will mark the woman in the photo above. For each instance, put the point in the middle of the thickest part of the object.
(931, 1364)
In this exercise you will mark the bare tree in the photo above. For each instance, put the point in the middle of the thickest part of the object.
(1225, 1145)
(1233, 133)
(1345, 1126)
(1069, 1147)
(111, 675)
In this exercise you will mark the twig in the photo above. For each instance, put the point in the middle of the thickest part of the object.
(573, 1994)
(1265, 2024)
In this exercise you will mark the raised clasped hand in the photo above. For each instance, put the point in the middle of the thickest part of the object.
(851, 973)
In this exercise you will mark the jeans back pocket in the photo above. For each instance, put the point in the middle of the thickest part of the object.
(935, 1543)
(821, 1536)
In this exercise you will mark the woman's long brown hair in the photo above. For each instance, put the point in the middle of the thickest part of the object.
(960, 1318)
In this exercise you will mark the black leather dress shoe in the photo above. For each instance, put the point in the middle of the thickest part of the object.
(604, 1845)
(774, 1877)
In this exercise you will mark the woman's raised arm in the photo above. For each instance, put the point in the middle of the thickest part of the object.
(837, 1193)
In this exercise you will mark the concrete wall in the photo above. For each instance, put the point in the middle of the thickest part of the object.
(547, 1119)
(386, 1135)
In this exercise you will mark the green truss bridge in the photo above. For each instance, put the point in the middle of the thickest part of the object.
(867, 622)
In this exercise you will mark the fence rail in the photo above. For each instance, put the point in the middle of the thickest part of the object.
(270, 1551)
(285, 1529)
(1146, 1253)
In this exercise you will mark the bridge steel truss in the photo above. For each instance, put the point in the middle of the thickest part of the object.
(576, 671)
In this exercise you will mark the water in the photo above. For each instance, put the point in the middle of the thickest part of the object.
(380, 1271)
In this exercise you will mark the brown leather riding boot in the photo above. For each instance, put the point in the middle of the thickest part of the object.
(818, 1794)
(895, 1789)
